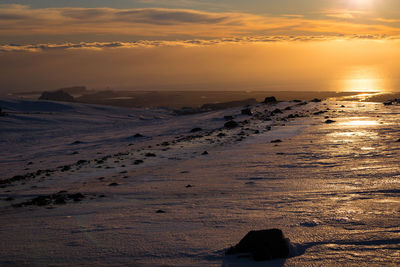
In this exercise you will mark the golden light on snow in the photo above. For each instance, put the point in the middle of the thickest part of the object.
(359, 123)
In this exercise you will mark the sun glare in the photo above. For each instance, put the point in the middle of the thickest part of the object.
(363, 80)
(360, 123)
(361, 3)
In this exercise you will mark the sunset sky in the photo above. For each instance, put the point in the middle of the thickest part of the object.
(187, 44)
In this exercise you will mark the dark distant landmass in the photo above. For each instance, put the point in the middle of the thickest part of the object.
(223, 105)
(191, 100)
(74, 90)
(195, 99)
(58, 95)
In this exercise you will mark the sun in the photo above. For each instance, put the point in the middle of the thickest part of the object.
(361, 3)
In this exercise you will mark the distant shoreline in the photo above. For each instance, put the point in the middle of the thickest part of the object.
(196, 99)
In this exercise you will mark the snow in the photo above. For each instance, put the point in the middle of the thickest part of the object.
(332, 188)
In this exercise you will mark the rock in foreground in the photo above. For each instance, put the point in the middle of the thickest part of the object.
(231, 124)
(263, 245)
(270, 100)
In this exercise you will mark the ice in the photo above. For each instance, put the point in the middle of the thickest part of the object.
(337, 201)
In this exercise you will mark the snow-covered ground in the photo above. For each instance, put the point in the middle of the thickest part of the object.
(333, 188)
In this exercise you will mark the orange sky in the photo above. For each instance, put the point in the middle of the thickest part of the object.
(212, 45)
(252, 65)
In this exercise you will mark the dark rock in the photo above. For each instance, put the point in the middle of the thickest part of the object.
(276, 141)
(150, 155)
(195, 130)
(388, 103)
(205, 153)
(41, 201)
(65, 168)
(13, 179)
(329, 121)
(9, 199)
(113, 184)
(297, 101)
(188, 186)
(398, 141)
(80, 162)
(270, 100)
(316, 100)
(77, 142)
(138, 161)
(228, 118)
(320, 112)
(165, 143)
(247, 111)
(231, 124)
(58, 95)
(263, 245)
(292, 116)
(76, 196)
(302, 103)
(160, 211)
(221, 135)
(288, 108)
(276, 111)
(138, 135)
(60, 200)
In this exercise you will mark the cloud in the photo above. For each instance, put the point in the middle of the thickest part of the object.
(183, 43)
(101, 24)
(343, 14)
(385, 20)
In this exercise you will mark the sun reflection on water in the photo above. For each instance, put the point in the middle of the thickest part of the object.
(359, 123)
(363, 79)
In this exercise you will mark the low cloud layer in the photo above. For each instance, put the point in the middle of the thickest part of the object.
(184, 43)
(18, 21)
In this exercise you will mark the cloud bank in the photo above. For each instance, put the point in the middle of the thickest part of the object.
(160, 23)
(183, 43)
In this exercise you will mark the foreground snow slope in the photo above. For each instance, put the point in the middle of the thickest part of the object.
(333, 188)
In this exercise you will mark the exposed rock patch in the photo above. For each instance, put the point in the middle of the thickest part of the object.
(263, 245)
(58, 198)
(231, 124)
(270, 100)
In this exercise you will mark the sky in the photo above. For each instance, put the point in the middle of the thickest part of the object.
(200, 45)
